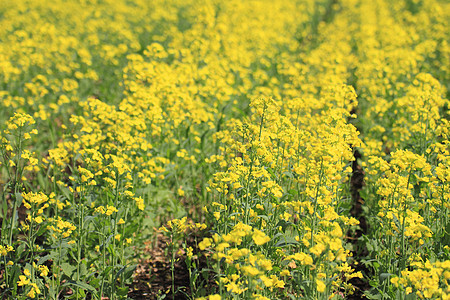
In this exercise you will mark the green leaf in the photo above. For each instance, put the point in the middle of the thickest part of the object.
(286, 241)
(373, 283)
(80, 284)
(41, 230)
(87, 220)
(68, 269)
(45, 258)
(384, 276)
(95, 282)
(65, 191)
(19, 198)
(163, 296)
(266, 218)
(42, 181)
(271, 172)
(127, 271)
(3, 212)
(20, 251)
(83, 269)
(411, 296)
(293, 192)
(122, 291)
(284, 224)
(288, 174)
(106, 271)
(372, 296)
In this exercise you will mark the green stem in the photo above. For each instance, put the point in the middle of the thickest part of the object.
(172, 263)
(114, 258)
(315, 202)
(6, 271)
(58, 272)
(405, 208)
(103, 260)
(31, 240)
(16, 188)
(80, 241)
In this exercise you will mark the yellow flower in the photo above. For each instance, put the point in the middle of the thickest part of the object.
(260, 237)
(110, 210)
(38, 219)
(317, 249)
(235, 288)
(200, 226)
(303, 258)
(44, 270)
(266, 280)
(204, 244)
(320, 286)
(23, 280)
(276, 282)
(189, 252)
(163, 228)
(4, 250)
(265, 264)
(140, 203)
(250, 271)
(220, 247)
(31, 294)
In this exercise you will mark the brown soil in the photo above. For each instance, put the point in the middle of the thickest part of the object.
(359, 252)
(153, 278)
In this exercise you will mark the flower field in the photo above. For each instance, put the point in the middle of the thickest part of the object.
(267, 149)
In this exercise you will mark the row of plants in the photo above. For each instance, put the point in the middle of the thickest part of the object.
(404, 113)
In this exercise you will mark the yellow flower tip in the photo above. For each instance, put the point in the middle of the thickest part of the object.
(23, 280)
(31, 294)
(205, 243)
(320, 286)
(44, 270)
(260, 237)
